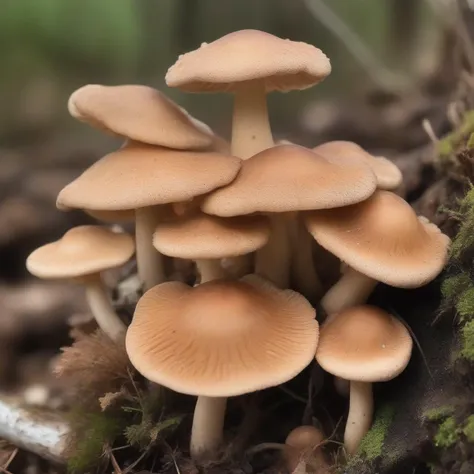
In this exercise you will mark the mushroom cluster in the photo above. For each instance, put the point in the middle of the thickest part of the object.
(249, 213)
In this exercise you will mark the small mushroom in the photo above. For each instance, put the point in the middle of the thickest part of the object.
(207, 239)
(249, 63)
(381, 240)
(147, 179)
(389, 177)
(82, 254)
(139, 113)
(304, 453)
(281, 181)
(363, 344)
(220, 339)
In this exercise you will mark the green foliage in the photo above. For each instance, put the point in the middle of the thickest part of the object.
(146, 432)
(92, 431)
(448, 433)
(468, 429)
(372, 443)
(439, 413)
(467, 341)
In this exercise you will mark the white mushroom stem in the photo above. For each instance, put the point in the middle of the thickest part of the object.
(359, 420)
(208, 426)
(102, 309)
(352, 289)
(210, 269)
(303, 273)
(150, 263)
(251, 131)
(273, 260)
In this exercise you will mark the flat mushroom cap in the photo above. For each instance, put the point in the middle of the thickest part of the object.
(208, 237)
(82, 251)
(289, 178)
(222, 338)
(248, 55)
(364, 344)
(112, 216)
(143, 175)
(383, 239)
(139, 113)
(388, 175)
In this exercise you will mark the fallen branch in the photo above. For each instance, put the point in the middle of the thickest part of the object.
(38, 431)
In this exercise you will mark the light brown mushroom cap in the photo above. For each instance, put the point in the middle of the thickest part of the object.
(383, 239)
(139, 113)
(289, 178)
(221, 338)
(364, 344)
(248, 55)
(304, 437)
(82, 251)
(208, 237)
(143, 175)
(388, 175)
(112, 216)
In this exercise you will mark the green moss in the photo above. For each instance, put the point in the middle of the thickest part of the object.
(93, 431)
(467, 341)
(372, 444)
(449, 144)
(448, 433)
(465, 304)
(439, 413)
(468, 429)
(453, 286)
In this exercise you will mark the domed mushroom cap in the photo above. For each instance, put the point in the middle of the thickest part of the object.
(83, 250)
(143, 175)
(245, 56)
(202, 236)
(364, 344)
(383, 239)
(304, 437)
(221, 338)
(289, 178)
(388, 175)
(139, 113)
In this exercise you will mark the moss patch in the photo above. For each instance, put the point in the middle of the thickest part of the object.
(467, 335)
(448, 433)
(439, 413)
(455, 285)
(449, 144)
(468, 429)
(372, 444)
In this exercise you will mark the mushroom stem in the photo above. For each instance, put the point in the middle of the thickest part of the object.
(352, 289)
(208, 425)
(359, 420)
(303, 274)
(102, 310)
(210, 269)
(272, 261)
(251, 131)
(149, 261)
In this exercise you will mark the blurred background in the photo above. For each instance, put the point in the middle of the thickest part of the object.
(395, 63)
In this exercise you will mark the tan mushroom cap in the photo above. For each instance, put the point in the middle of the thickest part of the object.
(112, 216)
(82, 251)
(383, 239)
(143, 175)
(289, 178)
(208, 237)
(304, 437)
(222, 338)
(248, 55)
(388, 175)
(139, 113)
(364, 344)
